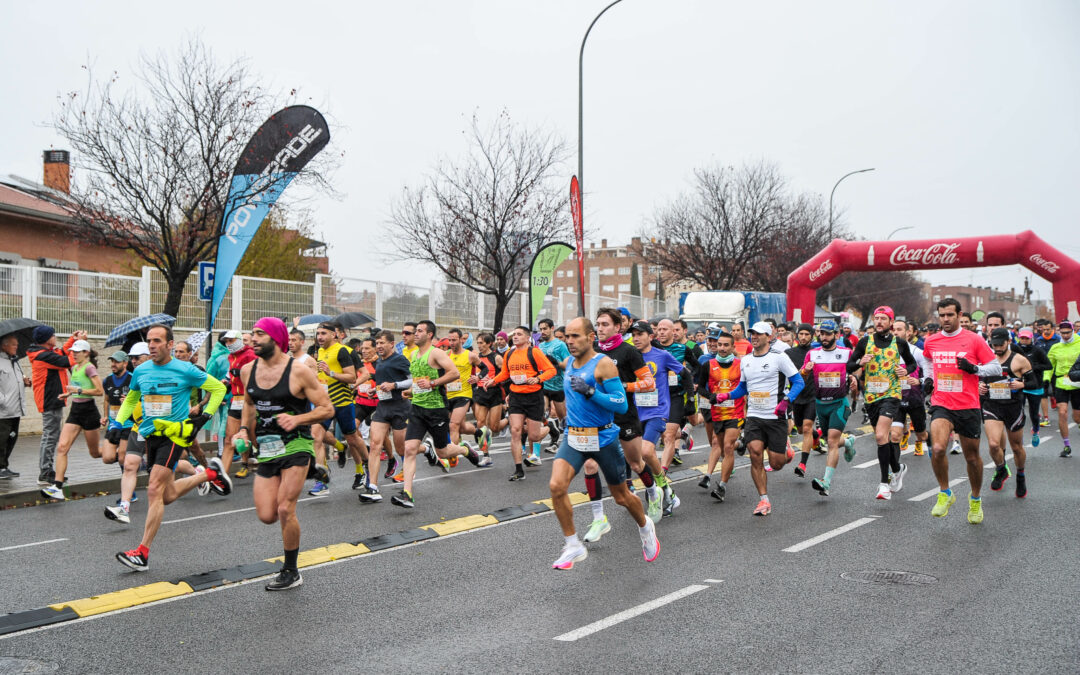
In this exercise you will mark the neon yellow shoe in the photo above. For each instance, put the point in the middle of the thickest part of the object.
(975, 512)
(944, 501)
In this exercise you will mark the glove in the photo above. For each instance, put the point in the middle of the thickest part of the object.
(582, 387)
(928, 386)
(781, 408)
(966, 366)
(181, 433)
(720, 398)
(113, 424)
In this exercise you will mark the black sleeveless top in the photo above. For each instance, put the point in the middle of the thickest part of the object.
(1007, 375)
(269, 403)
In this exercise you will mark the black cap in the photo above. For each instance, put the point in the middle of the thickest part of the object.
(805, 327)
(641, 326)
(999, 336)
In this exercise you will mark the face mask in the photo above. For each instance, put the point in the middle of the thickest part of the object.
(235, 346)
(725, 360)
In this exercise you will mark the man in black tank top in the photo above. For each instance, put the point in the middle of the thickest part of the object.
(1002, 400)
(278, 417)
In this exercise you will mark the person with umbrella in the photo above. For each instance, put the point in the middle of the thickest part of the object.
(83, 416)
(49, 374)
(12, 399)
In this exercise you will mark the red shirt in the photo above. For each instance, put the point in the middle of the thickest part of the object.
(953, 388)
(236, 362)
(723, 380)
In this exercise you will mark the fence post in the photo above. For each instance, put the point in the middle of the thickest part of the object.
(145, 285)
(316, 305)
(431, 301)
(28, 292)
(237, 303)
(523, 303)
(480, 311)
(378, 304)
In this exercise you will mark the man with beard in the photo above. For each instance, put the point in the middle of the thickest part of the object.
(1002, 399)
(826, 367)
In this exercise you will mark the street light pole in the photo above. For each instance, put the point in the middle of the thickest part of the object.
(900, 229)
(831, 195)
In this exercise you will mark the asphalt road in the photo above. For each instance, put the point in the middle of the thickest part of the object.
(725, 595)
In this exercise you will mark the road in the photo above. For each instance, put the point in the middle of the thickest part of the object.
(730, 592)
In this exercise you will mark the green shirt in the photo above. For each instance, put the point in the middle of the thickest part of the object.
(430, 398)
(1062, 356)
(81, 378)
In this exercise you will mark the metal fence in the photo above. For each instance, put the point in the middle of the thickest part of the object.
(72, 300)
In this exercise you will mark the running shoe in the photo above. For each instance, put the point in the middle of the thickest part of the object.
(342, 459)
(654, 507)
(472, 455)
(370, 494)
(689, 442)
(358, 481)
(821, 486)
(676, 459)
(1035, 439)
(790, 452)
(477, 435)
(944, 501)
(486, 461)
(429, 454)
(671, 500)
(320, 472)
(1066, 451)
(398, 477)
(453, 461)
(650, 545)
(883, 491)
(204, 488)
(975, 511)
(740, 447)
(53, 492)
(134, 560)
(404, 500)
(221, 484)
(571, 553)
(243, 472)
(1001, 474)
(285, 580)
(719, 492)
(819, 445)
(553, 432)
(849, 448)
(118, 513)
(764, 508)
(391, 466)
(954, 449)
(320, 489)
(1044, 422)
(517, 475)
(484, 442)
(531, 460)
(703, 483)
(907, 438)
(896, 481)
(1021, 485)
(800, 470)
(920, 450)
(598, 528)
(444, 464)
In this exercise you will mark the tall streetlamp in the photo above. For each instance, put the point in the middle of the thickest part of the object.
(832, 193)
(899, 229)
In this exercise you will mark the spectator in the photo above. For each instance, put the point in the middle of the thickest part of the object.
(49, 372)
(12, 401)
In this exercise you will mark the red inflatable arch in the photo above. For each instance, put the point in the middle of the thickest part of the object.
(1024, 248)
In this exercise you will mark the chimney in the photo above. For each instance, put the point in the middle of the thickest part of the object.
(603, 243)
(58, 170)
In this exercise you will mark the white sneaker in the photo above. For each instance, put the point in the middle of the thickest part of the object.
(955, 449)
(597, 529)
(485, 460)
(883, 491)
(117, 513)
(204, 488)
(650, 545)
(896, 483)
(53, 492)
(571, 553)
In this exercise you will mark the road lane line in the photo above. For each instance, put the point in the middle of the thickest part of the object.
(874, 462)
(225, 513)
(627, 614)
(930, 493)
(36, 543)
(990, 466)
(813, 541)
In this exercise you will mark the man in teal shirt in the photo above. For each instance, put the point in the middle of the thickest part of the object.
(557, 353)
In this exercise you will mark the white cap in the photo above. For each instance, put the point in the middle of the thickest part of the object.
(139, 349)
(232, 334)
(761, 327)
(80, 346)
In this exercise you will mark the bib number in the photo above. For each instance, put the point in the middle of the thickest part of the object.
(762, 401)
(672, 379)
(584, 439)
(829, 380)
(114, 410)
(384, 395)
(454, 386)
(236, 403)
(365, 389)
(157, 405)
(647, 399)
(270, 447)
(518, 379)
(1000, 390)
(877, 384)
(952, 383)
(417, 389)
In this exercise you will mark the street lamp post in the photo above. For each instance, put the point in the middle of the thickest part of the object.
(831, 195)
(900, 229)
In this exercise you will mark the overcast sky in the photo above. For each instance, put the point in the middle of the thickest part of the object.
(968, 111)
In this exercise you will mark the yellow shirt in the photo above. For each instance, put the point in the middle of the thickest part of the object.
(409, 352)
(337, 357)
(460, 388)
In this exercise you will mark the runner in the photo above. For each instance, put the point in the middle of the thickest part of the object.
(391, 377)
(1035, 396)
(957, 358)
(681, 410)
(407, 346)
(885, 362)
(459, 393)
(803, 411)
(913, 398)
(502, 344)
(298, 351)
(594, 393)
(366, 398)
(83, 416)
(116, 388)
(239, 355)
(654, 410)
(826, 366)
(337, 372)
(135, 449)
(704, 407)
(431, 370)
(280, 404)
(1066, 391)
(527, 369)
(488, 403)
(1002, 401)
(742, 345)
(163, 386)
(761, 379)
(716, 381)
(1046, 338)
(557, 353)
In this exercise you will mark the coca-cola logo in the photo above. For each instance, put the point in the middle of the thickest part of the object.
(822, 269)
(1042, 262)
(936, 254)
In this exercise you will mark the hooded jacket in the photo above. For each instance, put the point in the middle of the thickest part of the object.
(12, 398)
(49, 374)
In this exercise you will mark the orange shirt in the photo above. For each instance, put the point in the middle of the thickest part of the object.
(517, 369)
(724, 380)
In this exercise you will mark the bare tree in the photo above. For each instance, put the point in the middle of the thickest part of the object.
(155, 162)
(480, 220)
(865, 291)
(802, 230)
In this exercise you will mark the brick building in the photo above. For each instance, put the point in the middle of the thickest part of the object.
(984, 299)
(610, 269)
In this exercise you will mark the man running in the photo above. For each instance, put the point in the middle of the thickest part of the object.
(240, 354)
(654, 409)
(803, 412)
(391, 414)
(1002, 400)
(407, 346)
(1066, 391)
(688, 355)
(913, 398)
(336, 372)
(557, 353)
(163, 386)
(116, 389)
(431, 370)
(826, 367)
(594, 393)
(280, 405)
(718, 378)
(487, 403)
(135, 449)
(459, 393)
(957, 358)
(1034, 396)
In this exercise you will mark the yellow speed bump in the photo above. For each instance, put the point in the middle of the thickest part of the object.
(575, 499)
(324, 554)
(128, 597)
(460, 524)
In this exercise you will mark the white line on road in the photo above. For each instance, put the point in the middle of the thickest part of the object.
(225, 513)
(930, 493)
(813, 541)
(624, 615)
(874, 462)
(714, 581)
(990, 466)
(36, 543)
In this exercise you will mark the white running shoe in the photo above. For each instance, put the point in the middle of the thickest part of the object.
(896, 483)
(599, 527)
(571, 554)
(955, 448)
(883, 491)
(650, 545)
(204, 488)
(117, 513)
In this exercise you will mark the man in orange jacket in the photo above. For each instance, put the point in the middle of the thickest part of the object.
(49, 375)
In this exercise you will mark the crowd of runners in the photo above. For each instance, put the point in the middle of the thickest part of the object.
(612, 396)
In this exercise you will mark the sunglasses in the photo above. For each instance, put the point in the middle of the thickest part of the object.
(406, 332)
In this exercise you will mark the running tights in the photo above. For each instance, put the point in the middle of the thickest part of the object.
(1034, 401)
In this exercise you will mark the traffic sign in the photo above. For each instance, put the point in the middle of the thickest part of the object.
(206, 281)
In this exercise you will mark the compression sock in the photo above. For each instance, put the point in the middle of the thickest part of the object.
(592, 486)
(536, 449)
(803, 456)
(884, 458)
(597, 509)
(519, 469)
(290, 558)
(647, 477)
(828, 474)
(895, 464)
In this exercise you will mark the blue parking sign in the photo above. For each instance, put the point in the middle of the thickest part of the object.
(206, 281)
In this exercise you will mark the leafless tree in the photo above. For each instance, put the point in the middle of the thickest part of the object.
(154, 161)
(481, 219)
(865, 291)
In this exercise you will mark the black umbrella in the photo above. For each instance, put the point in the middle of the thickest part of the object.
(23, 328)
(354, 319)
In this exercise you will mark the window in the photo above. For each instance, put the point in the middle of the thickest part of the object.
(937, 297)
(624, 288)
(607, 289)
(569, 274)
(607, 271)
(53, 284)
(559, 274)
(624, 271)
(652, 285)
(654, 269)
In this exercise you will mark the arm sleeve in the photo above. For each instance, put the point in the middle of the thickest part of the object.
(686, 380)
(856, 355)
(217, 394)
(797, 385)
(909, 359)
(644, 380)
(128, 406)
(403, 384)
(739, 391)
(610, 395)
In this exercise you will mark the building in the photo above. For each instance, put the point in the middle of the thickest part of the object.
(981, 300)
(610, 271)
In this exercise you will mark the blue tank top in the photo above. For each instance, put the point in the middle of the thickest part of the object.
(580, 411)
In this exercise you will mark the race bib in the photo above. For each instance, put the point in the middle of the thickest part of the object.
(905, 385)
(952, 383)
(157, 405)
(519, 379)
(114, 410)
(728, 404)
(270, 447)
(672, 379)
(829, 380)
(236, 403)
(365, 388)
(384, 395)
(703, 403)
(877, 384)
(762, 401)
(999, 390)
(454, 386)
(647, 399)
(417, 389)
(584, 439)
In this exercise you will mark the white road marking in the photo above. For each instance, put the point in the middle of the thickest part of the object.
(225, 513)
(36, 543)
(627, 614)
(714, 581)
(990, 466)
(874, 462)
(813, 541)
(930, 493)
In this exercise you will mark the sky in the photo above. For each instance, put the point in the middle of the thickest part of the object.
(967, 111)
